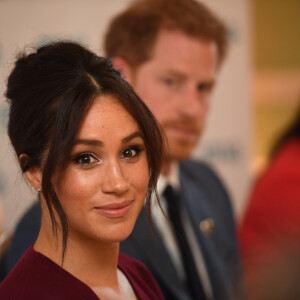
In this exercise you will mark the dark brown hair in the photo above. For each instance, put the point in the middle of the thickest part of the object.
(132, 34)
(50, 92)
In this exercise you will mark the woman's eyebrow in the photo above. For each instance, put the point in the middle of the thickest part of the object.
(132, 136)
(100, 143)
(89, 142)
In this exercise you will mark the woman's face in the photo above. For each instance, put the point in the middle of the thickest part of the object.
(104, 186)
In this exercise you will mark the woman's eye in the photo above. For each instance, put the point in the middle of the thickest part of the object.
(131, 152)
(85, 159)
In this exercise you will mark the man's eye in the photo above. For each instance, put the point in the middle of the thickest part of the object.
(176, 84)
(205, 87)
(202, 87)
(131, 152)
(170, 82)
(85, 159)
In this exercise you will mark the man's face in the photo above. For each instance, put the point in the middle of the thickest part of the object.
(176, 84)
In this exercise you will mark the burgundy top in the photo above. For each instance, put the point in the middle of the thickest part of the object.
(37, 277)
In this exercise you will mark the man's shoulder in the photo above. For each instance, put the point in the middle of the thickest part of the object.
(200, 177)
(198, 170)
(195, 163)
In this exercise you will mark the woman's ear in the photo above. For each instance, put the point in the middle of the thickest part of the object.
(123, 67)
(33, 174)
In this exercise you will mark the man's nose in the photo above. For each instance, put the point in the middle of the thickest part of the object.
(114, 180)
(192, 103)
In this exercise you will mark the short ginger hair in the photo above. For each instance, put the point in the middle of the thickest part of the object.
(132, 33)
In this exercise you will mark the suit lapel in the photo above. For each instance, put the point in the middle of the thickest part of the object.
(197, 206)
(155, 256)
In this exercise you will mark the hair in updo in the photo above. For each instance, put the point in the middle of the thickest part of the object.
(50, 92)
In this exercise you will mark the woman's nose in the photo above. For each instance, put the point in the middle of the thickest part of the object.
(114, 180)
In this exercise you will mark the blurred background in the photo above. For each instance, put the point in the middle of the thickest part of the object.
(255, 98)
(276, 72)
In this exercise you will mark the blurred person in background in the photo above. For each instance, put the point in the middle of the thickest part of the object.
(270, 228)
(279, 281)
(171, 52)
(92, 150)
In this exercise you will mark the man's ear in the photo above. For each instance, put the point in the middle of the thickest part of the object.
(122, 65)
(33, 174)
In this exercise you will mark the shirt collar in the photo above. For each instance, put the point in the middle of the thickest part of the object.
(172, 179)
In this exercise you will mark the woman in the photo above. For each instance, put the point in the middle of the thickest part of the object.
(92, 150)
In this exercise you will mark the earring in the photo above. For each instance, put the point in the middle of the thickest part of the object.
(38, 190)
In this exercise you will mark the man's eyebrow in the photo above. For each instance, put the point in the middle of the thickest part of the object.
(210, 82)
(100, 143)
(176, 73)
(181, 75)
(132, 136)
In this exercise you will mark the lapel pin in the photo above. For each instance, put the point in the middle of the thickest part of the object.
(207, 226)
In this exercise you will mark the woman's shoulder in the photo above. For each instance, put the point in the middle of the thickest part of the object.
(37, 277)
(140, 278)
(22, 278)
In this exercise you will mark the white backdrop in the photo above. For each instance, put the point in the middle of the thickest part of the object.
(227, 141)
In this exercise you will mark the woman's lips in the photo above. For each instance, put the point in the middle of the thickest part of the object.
(114, 210)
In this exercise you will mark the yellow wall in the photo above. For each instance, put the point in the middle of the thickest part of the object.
(276, 57)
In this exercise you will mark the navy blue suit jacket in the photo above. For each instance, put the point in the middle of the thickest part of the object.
(204, 197)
